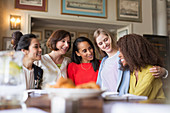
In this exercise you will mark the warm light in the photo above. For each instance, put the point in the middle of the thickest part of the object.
(18, 20)
(15, 22)
(13, 19)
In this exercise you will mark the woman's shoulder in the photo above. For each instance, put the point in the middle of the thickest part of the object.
(147, 67)
(45, 57)
(66, 60)
(72, 64)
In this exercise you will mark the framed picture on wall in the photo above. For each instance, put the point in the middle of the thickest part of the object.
(91, 8)
(37, 5)
(43, 47)
(124, 31)
(38, 34)
(83, 34)
(129, 10)
(7, 43)
(48, 33)
(73, 36)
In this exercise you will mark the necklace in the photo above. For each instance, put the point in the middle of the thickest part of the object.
(85, 68)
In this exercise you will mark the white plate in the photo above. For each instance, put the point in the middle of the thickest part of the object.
(73, 93)
(37, 91)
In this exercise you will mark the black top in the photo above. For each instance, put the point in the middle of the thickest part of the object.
(38, 75)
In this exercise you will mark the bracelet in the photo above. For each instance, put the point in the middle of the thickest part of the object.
(166, 75)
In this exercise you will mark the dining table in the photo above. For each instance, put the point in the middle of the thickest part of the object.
(45, 104)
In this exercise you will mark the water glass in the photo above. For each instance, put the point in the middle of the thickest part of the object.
(12, 80)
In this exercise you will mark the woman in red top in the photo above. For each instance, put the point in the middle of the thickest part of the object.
(84, 66)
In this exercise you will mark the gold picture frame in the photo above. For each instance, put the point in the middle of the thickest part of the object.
(83, 34)
(7, 43)
(48, 33)
(38, 34)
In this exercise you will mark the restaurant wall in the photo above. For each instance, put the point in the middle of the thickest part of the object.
(54, 12)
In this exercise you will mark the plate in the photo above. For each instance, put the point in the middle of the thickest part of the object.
(36, 91)
(116, 96)
(71, 93)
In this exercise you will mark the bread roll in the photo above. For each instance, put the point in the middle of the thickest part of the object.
(89, 85)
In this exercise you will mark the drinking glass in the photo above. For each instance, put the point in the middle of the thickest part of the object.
(12, 80)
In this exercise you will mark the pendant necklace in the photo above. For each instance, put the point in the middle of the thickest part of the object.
(85, 68)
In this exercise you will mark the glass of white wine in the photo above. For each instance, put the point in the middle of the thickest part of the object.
(12, 80)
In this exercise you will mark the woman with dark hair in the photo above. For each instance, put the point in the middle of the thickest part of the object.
(31, 48)
(84, 66)
(110, 77)
(15, 38)
(138, 56)
(54, 64)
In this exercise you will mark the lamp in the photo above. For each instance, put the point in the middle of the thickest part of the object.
(15, 22)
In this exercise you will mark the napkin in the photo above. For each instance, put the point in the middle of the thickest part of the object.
(28, 110)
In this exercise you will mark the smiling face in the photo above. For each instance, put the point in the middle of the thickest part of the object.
(104, 43)
(63, 45)
(85, 51)
(123, 61)
(34, 51)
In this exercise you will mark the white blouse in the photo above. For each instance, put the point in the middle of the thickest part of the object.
(51, 72)
(29, 77)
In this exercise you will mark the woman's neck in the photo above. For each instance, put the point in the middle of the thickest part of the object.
(27, 63)
(85, 61)
(57, 58)
(112, 53)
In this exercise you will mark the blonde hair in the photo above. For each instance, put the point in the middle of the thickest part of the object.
(104, 32)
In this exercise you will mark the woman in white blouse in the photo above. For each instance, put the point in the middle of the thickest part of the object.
(54, 64)
(31, 48)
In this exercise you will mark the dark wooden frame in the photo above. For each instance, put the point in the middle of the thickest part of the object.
(31, 7)
(129, 13)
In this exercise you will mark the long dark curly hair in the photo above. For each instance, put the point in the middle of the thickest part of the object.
(138, 52)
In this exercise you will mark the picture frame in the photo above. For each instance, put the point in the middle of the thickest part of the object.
(43, 47)
(124, 31)
(83, 34)
(38, 34)
(7, 43)
(90, 8)
(73, 36)
(48, 33)
(129, 10)
(37, 5)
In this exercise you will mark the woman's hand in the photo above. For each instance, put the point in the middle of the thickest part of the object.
(158, 71)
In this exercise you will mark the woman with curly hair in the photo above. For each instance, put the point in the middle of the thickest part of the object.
(138, 56)
(110, 77)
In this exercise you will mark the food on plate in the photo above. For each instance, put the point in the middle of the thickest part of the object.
(63, 83)
(68, 83)
(89, 85)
